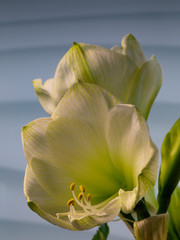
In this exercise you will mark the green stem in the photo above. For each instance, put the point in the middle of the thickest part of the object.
(163, 204)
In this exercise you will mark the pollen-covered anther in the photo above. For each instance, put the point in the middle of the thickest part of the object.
(72, 186)
(81, 187)
(88, 197)
(80, 196)
(70, 202)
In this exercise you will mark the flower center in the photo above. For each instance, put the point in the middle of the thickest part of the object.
(81, 200)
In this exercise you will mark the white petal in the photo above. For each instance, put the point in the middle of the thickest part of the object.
(42, 203)
(107, 214)
(93, 64)
(44, 94)
(132, 153)
(33, 138)
(132, 49)
(73, 145)
(145, 86)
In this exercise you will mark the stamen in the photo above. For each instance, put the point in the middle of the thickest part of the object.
(81, 187)
(78, 202)
(72, 210)
(72, 186)
(88, 197)
(81, 200)
(70, 202)
(80, 196)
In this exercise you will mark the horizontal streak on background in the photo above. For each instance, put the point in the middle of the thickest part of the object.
(19, 67)
(101, 30)
(20, 230)
(96, 17)
(21, 10)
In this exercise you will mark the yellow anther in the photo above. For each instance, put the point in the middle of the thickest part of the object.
(81, 187)
(88, 197)
(72, 186)
(70, 202)
(80, 196)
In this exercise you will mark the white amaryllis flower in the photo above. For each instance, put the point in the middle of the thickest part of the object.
(90, 160)
(123, 71)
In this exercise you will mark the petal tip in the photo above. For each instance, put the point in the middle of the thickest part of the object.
(24, 129)
(75, 43)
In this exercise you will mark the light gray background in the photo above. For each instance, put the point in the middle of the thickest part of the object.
(34, 35)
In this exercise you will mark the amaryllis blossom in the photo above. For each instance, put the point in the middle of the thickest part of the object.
(123, 71)
(90, 160)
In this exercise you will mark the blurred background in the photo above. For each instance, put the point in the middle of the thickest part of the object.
(34, 35)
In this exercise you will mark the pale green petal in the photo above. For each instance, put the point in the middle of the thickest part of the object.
(151, 201)
(87, 102)
(170, 166)
(145, 86)
(85, 142)
(152, 228)
(117, 48)
(174, 212)
(44, 94)
(129, 141)
(49, 207)
(133, 154)
(93, 64)
(74, 143)
(148, 175)
(132, 49)
(50, 218)
(145, 181)
(33, 138)
(107, 214)
(35, 192)
(75, 150)
(122, 71)
(42, 203)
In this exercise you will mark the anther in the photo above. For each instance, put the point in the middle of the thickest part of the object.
(81, 187)
(88, 197)
(80, 196)
(72, 186)
(70, 202)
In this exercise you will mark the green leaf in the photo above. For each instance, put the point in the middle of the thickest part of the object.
(102, 232)
(174, 223)
(170, 167)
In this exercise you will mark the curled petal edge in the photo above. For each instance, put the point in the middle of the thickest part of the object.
(43, 92)
(146, 180)
(83, 220)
